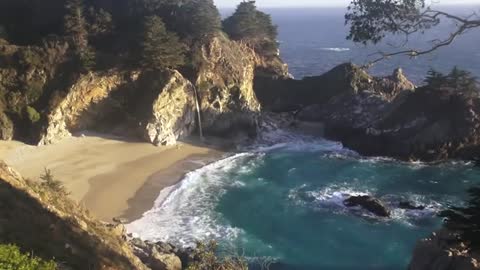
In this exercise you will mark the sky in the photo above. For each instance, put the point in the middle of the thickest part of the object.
(318, 3)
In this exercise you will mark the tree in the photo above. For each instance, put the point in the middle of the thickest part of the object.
(160, 49)
(100, 21)
(466, 220)
(458, 80)
(462, 80)
(435, 79)
(50, 183)
(371, 20)
(252, 26)
(75, 27)
(198, 19)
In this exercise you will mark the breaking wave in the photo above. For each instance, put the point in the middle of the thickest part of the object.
(336, 49)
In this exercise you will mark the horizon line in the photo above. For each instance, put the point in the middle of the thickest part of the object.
(340, 6)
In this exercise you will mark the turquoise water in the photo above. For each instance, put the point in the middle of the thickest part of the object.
(285, 202)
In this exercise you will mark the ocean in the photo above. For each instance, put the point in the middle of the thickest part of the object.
(312, 41)
(281, 199)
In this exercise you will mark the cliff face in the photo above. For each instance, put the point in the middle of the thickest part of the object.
(173, 112)
(38, 219)
(442, 251)
(159, 107)
(81, 107)
(27, 74)
(381, 116)
(225, 85)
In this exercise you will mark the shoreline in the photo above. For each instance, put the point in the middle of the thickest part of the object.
(145, 198)
(112, 176)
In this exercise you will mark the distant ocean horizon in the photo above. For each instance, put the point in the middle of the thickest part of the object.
(313, 41)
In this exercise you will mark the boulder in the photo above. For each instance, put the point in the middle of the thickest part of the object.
(368, 203)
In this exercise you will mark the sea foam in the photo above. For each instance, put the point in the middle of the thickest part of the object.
(184, 213)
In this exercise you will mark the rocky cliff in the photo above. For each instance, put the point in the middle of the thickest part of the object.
(159, 107)
(225, 84)
(442, 251)
(40, 219)
(381, 116)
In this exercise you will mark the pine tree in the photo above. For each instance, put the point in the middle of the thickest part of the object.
(75, 27)
(198, 19)
(160, 49)
(435, 79)
(253, 27)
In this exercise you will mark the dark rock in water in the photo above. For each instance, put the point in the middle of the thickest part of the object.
(410, 206)
(369, 203)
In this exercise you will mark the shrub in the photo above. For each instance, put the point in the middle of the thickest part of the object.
(50, 183)
(30, 58)
(12, 259)
(32, 114)
(205, 258)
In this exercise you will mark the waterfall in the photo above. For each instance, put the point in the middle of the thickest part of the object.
(199, 117)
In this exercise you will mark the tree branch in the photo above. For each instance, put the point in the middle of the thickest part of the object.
(433, 17)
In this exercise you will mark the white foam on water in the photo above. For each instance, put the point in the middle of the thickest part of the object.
(331, 198)
(336, 49)
(184, 213)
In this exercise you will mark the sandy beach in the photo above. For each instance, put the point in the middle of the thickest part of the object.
(110, 176)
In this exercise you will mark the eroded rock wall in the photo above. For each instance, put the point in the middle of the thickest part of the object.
(225, 87)
(442, 251)
(173, 112)
(80, 107)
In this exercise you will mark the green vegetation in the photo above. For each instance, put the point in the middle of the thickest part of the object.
(75, 27)
(50, 183)
(12, 259)
(161, 49)
(457, 80)
(205, 258)
(466, 220)
(252, 27)
(198, 19)
(32, 114)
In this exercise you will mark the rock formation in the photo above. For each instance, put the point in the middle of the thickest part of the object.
(82, 106)
(373, 205)
(381, 116)
(225, 85)
(409, 206)
(442, 251)
(173, 112)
